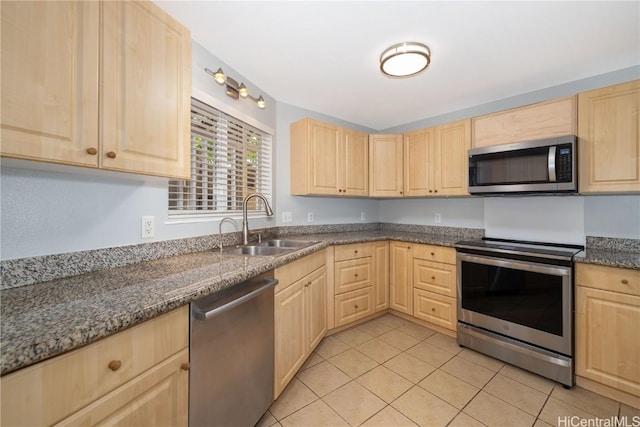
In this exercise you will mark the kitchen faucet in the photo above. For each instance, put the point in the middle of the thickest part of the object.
(245, 222)
(231, 220)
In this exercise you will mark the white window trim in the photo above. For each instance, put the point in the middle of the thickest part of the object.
(176, 218)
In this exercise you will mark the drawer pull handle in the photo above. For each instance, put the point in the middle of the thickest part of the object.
(625, 282)
(432, 253)
(114, 365)
(111, 155)
(433, 277)
(356, 305)
(355, 252)
(185, 366)
(356, 275)
(92, 151)
(433, 309)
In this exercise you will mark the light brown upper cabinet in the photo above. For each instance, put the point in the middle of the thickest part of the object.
(99, 84)
(434, 161)
(450, 160)
(327, 160)
(609, 138)
(418, 162)
(536, 121)
(385, 165)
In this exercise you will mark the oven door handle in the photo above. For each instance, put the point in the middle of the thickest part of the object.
(534, 267)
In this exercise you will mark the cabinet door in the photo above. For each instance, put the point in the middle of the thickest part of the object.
(324, 149)
(50, 81)
(607, 339)
(316, 307)
(609, 132)
(380, 276)
(290, 335)
(418, 163)
(355, 163)
(400, 285)
(385, 165)
(452, 142)
(537, 121)
(157, 397)
(146, 86)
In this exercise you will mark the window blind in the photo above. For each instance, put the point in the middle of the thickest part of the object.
(229, 160)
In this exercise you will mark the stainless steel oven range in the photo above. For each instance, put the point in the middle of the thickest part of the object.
(515, 303)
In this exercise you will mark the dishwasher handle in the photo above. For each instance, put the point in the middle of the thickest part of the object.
(210, 314)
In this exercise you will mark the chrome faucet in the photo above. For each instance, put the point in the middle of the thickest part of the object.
(245, 222)
(231, 220)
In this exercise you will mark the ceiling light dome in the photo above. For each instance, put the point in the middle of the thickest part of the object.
(405, 59)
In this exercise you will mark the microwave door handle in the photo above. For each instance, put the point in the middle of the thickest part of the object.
(551, 163)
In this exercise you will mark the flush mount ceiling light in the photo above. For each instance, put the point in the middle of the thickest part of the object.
(405, 59)
(234, 89)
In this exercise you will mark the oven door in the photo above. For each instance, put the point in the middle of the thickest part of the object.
(525, 300)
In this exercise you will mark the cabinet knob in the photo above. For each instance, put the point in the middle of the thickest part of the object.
(185, 366)
(433, 309)
(111, 155)
(433, 277)
(344, 191)
(92, 151)
(114, 365)
(355, 252)
(401, 192)
(430, 191)
(625, 282)
(432, 253)
(356, 275)
(435, 191)
(356, 305)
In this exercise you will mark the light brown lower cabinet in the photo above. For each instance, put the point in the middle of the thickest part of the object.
(608, 326)
(434, 285)
(135, 377)
(354, 305)
(400, 272)
(300, 315)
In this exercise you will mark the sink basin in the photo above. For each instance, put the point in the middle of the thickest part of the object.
(258, 250)
(283, 243)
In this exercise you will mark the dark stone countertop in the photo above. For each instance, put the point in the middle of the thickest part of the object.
(43, 320)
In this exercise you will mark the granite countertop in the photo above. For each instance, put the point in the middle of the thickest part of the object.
(43, 320)
(609, 258)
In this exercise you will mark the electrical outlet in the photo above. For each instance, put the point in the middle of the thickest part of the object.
(287, 217)
(362, 217)
(309, 216)
(438, 218)
(148, 227)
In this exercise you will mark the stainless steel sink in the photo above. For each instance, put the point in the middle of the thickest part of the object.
(258, 250)
(272, 247)
(285, 243)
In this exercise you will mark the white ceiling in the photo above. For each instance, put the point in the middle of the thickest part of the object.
(324, 56)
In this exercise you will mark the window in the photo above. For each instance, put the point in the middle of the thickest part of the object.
(229, 160)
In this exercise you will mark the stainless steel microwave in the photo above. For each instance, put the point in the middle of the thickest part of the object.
(541, 166)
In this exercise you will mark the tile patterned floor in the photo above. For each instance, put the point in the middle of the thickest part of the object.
(391, 372)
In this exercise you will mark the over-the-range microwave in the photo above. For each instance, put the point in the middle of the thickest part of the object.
(541, 166)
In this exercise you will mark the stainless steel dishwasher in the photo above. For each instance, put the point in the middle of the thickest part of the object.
(231, 339)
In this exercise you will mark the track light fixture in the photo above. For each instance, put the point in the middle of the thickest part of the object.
(235, 90)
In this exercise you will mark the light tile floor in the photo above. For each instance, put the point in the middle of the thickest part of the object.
(391, 372)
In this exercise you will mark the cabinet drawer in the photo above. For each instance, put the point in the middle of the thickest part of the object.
(51, 390)
(434, 277)
(356, 250)
(435, 253)
(353, 305)
(434, 308)
(614, 279)
(296, 270)
(353, 274)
